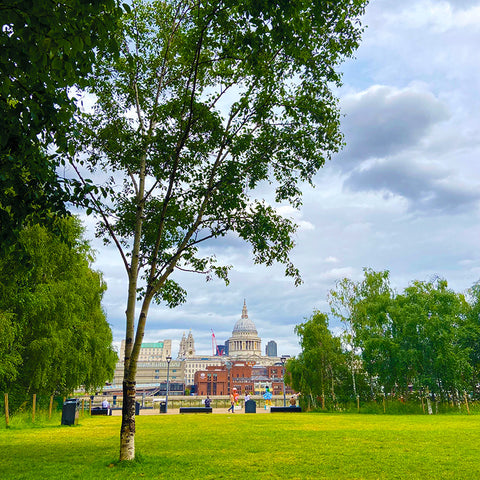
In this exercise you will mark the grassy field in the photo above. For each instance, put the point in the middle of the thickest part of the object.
(277, 446)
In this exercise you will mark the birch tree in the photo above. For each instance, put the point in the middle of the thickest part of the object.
(208, 102)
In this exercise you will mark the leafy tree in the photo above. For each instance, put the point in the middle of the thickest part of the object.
(363, 309)
(317, 370)
(342, 301)
(58, 337)
(423, 338)
(469, 335)
(429, 316)
(374, 328)
(209, 101)
(10, 357)
(45, 48)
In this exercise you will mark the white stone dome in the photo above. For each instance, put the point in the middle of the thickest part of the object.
(245, 325)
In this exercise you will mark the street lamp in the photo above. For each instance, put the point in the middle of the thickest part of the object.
(283, 360)
(169, 359)
(228, 364)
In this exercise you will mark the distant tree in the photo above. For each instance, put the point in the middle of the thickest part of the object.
(363, 309)
(58, 337)
(46, 47)
(469, 335)
(316, 372)
(342, 301)
(423, 338)
(428, 318)
(209, 101)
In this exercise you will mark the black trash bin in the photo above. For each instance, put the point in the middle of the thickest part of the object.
(163, 407)
(70, 411)
(137, 408)
(250, 406)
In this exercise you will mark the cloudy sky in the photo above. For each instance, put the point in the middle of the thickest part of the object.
(404, 194)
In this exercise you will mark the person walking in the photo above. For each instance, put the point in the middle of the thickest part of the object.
(232, 403)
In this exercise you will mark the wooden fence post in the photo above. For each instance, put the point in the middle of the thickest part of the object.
(358, 403)
(7, 418)
(50, 406)
(33, 407)
(466, 402)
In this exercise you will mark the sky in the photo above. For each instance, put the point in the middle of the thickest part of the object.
(403, 195)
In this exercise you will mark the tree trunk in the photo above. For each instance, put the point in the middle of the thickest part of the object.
(127, 431)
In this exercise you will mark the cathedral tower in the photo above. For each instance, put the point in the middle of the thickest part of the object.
(244, 341)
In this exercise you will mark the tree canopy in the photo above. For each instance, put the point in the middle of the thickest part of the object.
(55, 336)
(422, 339)
(321, 367)
(46, 47)
(208, 102)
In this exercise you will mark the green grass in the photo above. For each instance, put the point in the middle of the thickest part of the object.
(261, 446)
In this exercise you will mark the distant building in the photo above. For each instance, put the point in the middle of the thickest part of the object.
(221, 350)
(242, 353)
(187, 346)
(243, 376)
(244, 341)
(150, 352)
(195, 364)
(153, 373)
(243, 345)
(271, 349)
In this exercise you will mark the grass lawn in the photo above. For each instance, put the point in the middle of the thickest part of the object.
(255, 446)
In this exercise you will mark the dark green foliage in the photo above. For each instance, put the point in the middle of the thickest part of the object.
(50, 306)
(321, 366)
(46, 47)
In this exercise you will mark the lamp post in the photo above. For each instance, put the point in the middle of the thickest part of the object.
(228, 364)
(169, 359)
(283, 359)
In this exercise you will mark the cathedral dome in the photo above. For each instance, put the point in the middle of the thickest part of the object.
(244, 342)
(245, 325)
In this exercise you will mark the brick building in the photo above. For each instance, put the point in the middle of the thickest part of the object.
(246, 377)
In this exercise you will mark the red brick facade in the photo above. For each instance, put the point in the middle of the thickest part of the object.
(245, 377)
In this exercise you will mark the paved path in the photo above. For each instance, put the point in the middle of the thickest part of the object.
(176, 411)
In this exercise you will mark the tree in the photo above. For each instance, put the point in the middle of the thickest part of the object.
(10, 357)
(469, 335)
(422, 339)
(342, 301)
(50, 302)
(363, 309)
(317, 369)
(46, 47)
(209, 101)
(429, 318)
